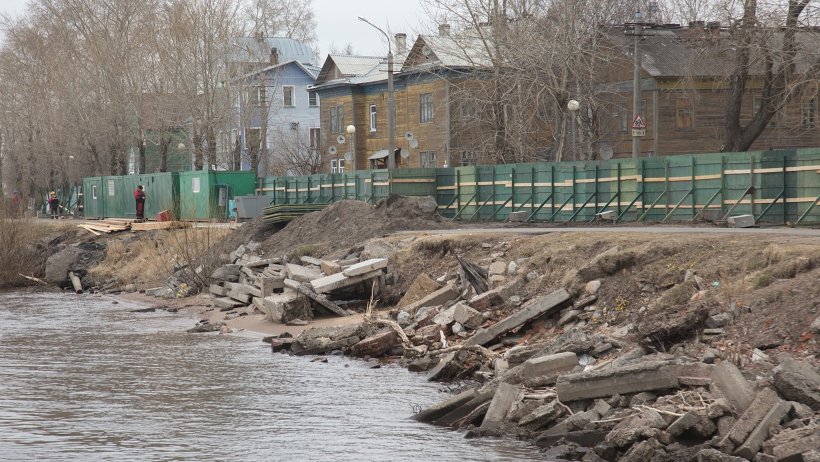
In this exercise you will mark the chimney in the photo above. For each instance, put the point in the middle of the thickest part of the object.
(274, 56)
(444, 29)
(401, 43)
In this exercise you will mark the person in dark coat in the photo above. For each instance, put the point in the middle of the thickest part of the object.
(139, 197)
(54, 205)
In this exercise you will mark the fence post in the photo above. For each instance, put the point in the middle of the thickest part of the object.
(274, 190)
(532, 190)
(618, 189)
(458, 190)
(308, 191)
(552, 192)
(694, 188)
(722, 184)
(785, 195)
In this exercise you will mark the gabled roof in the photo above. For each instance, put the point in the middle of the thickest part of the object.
(698, 52)
(461, 51)
(258, 49)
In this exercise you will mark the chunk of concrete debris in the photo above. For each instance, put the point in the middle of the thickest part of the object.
(218, 291)
(633, 378)
(543, 370)
(466, 316)
(542, 415)
(683, 423)
(310, 260)
(761, 432)
(741, 221)
(440, 409)
(307, 291)
(337, 281)
(487, 300)
(330, 267)
(445, 369)
(422, 286)
(285, 307)
(518, 217)
(376, 345)
(302, 273)
(497, 268)
(798, 381)
(458, 415)
(728, 380)
(536, 308)
(764, 401)
(225, 302)
(503, 399)
(367, 266)
(227, 273)
(713, 455)
(439, 297)
(790, 444)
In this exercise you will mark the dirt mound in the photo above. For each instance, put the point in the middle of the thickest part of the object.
(341, 225)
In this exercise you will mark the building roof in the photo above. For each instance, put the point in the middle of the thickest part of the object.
(356, 70)
(698, 52)
(463, 51)
(253, 49)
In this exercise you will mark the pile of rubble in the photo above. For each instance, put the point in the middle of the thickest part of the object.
(291, 293)
(584, 396)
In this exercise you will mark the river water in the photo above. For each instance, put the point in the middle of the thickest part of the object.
(83, 378)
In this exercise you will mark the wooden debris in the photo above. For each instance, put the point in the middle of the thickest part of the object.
(320, 299)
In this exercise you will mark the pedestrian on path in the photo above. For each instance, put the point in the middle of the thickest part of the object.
(54, 205)
(139, 197)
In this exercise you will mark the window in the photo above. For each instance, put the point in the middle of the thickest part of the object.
(93, 191)
(195, 185)
(685, 114)
(313, 99)
(287, 95)
(337, 119)
(426, 108)
(258, 96)
(427, 159)
(808, 113)
(372, 117)
(337, 166)
(467, 158)
(111, 191)
(315, 138)
(469, 109)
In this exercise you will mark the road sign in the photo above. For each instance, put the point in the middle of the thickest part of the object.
(637, 132)
(638, 122)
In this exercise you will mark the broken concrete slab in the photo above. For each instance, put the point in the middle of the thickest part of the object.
(330, 267)
(302, 273)
(286, 307)
(224, 302)
(713, 455)
(248, 289)
(307, 291)
(503, 399)
(538, 307)
(422, 286)
(467, 316)
(487, 300)
(218, 291)
(683, 423)
(729, 381)
(741, 221)
(227, 273)
(632, 378)
(798, 381)
(542, 415)
(763, 402)
(377, 344)
(263, 262)
(445, 369)
(367, 266)
(790, 444)
(267, 285)
(443, 408)
(761, 432)
(337, 281)
(544, 370)
(439, 297)
(456, 416)
(445, 317)
(310, 260)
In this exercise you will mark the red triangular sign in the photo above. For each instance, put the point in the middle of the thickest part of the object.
(638, 122)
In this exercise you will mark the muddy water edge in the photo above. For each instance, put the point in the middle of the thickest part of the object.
(85, 378)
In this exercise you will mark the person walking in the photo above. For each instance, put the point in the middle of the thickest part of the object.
(54, 205)
(139, 197)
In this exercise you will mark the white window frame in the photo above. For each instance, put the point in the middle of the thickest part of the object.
(196, 185)
(288, 89)
(373, 117)
(313, 99)
(337, 119)
(315, 137)
(111, 190)
(426, 158)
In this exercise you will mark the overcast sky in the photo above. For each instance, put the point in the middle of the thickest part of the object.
(337, 23)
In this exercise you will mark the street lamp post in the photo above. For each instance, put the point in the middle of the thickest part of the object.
(391, 103)
(351, 131)
(573, 107)
(637, 32)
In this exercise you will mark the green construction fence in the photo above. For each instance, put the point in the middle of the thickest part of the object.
(781, 186)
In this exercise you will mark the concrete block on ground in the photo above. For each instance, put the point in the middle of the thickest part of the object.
(422, 286)
(441, 409)
(792, 443)
(330, 267)
(764, 401)
(544, 370)
(268, 284)
(729, 381)
(376, 345)
(310, 260)
(798, 381)
(240, 296)
(445, 369)
(538, 307)
(608, 215)
(286, 307)
(218, 291)
(683, 423)
(755, 440)
(365, 267)
(439, 297)
(249, 289)
(467, 316)
(503, 399)
(741, 221)
(225, 302)
(518, 217)
(542, 415)
(302, 273)
(453, 417)
(337, 281)
(487, 300)
(227, 273)
(633, 378)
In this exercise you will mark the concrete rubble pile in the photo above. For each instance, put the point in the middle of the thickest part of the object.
(292, 293)
(582, 396)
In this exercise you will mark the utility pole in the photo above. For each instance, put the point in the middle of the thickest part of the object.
(638, 119)
(391, 100)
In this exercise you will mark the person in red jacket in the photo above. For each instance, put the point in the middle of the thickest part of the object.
(53, 205)
(139, 197)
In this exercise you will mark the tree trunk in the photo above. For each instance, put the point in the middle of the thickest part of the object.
(197, 140)
(164, 143)
(142, 162)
